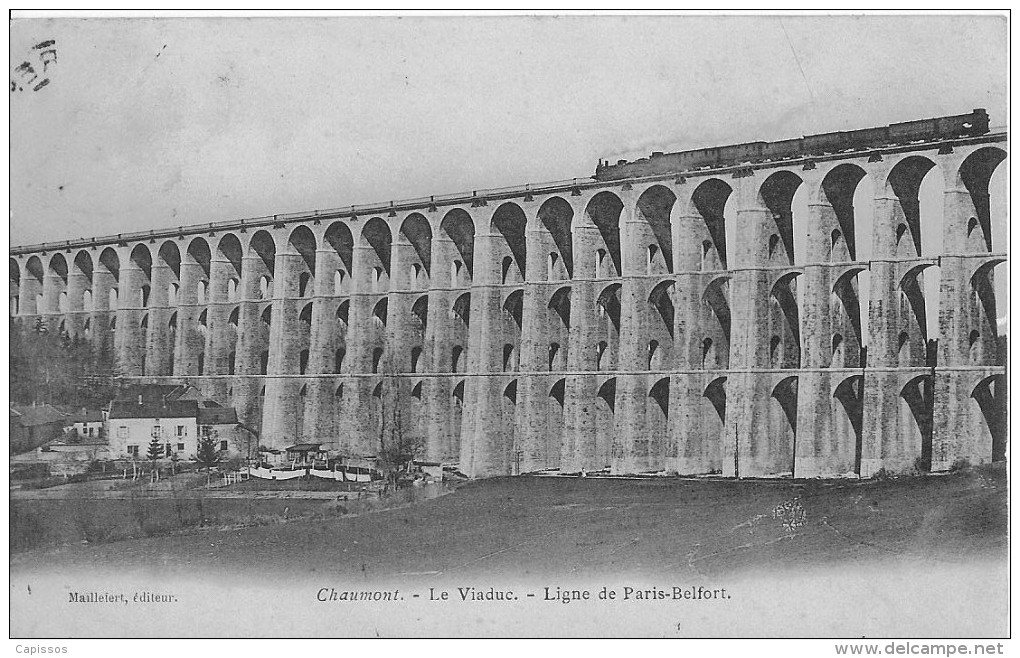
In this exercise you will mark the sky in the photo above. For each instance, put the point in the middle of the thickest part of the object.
(153, 123)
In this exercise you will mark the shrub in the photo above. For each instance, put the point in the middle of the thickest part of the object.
(961, 464)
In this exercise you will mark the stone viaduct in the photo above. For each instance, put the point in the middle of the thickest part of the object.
(654, 324)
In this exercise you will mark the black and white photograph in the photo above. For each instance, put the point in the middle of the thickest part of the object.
(510, 325)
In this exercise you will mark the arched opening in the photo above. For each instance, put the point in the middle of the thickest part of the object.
(716, 308)
(838, 191)
(559, 302)
(262, 249)
(776, 194)
(784, 322)
(976, 173)
(848, 424)
(555, 216)
(140, 283)
(459, 228)
(340, 258)
(782, 432)
(653, 209)
(554, 424)
(377, 355)
(990, 396)
(916, 412)
(418, 234)
(509, 358)
(605, 424)
(657, 422)
(904, 182)
(420, 313)
(709, 201)
(379, 312)
(302, 242)
(509, 221)
(230, 251)
(604, 212)
(338, 360)
(462, 309)
(661, 302)
(608, 307)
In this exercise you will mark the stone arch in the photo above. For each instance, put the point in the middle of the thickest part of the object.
(715, 393)
(982, 281)
(782, 432)
(559, 302)
(459, 227)
(653, 210)
(847, 290)
(229, 249)
(420, 311)
(58, 266)
(555, 216)
(34, 270)
(776, 194)
(513, 306)
(462, 308)
(849, 393)
(170, 257)
(837, 192)
(109, 262)
(715, 300)
(709, 202)
(418, 233)
(974, 175)
(199, 252)
(379, 311)
(917, 407)
(340, 259)
(610, 305)
(303, 243)
(510, 222)
(343, 313)
(603, 210)
(904, 182)
(990, 396)
(661, 301)
(263, 247)
(784, 293)
(376, 234)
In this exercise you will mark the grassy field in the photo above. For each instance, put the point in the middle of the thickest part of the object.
(535, 526)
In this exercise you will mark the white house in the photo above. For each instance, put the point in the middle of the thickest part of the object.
(176, 416)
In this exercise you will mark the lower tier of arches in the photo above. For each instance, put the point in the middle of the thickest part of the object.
(777, 423)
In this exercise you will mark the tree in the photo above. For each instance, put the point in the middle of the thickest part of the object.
(207, 454)
(155, 450)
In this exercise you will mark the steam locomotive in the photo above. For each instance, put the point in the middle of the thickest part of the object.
(961, 125)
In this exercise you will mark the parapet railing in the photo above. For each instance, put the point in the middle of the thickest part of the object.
(476, 197)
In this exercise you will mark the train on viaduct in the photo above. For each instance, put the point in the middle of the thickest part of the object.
(674, 318)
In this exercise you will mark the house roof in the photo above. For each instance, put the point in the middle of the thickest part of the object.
(217, 415)
(38, 415)
(151, 392)
(153, 409)
(80, 414)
